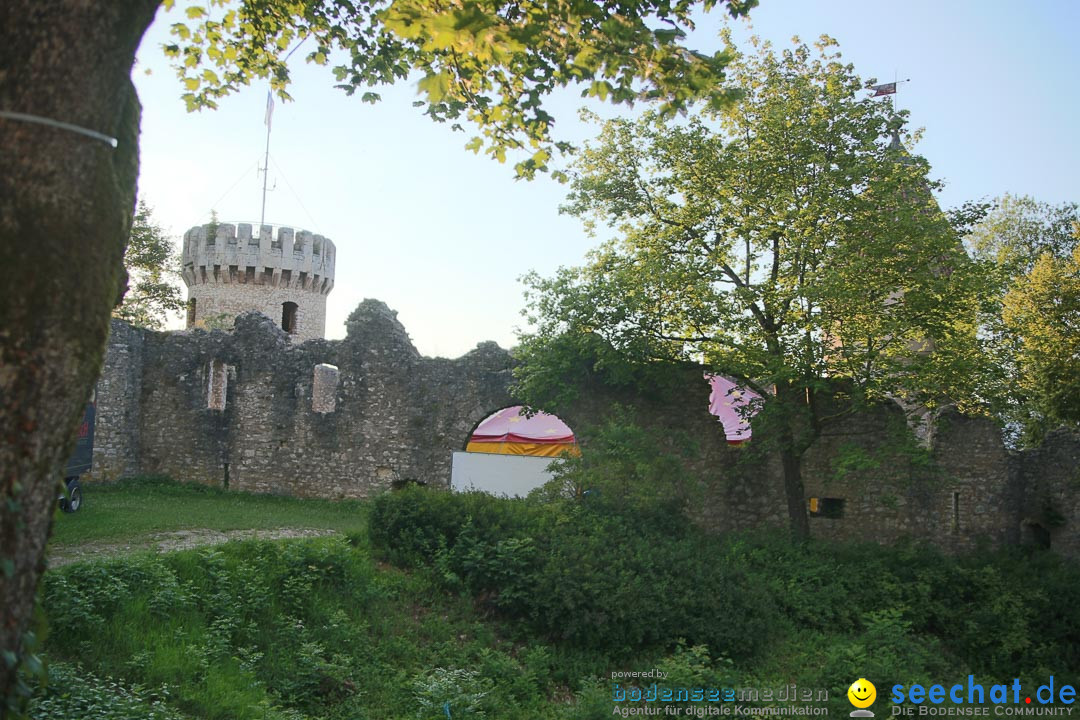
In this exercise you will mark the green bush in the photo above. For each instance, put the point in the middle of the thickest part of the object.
(234, 630)
(73, 693)
(582, 574)
(409, 527)
(620, 579)
(451, 692)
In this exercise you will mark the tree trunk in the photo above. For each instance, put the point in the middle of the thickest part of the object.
(794, 491)
(66, 202)
(791, 451)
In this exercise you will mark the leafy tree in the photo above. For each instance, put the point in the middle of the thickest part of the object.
(150, 261)
(1042, 309)
(1011, 238)
(67, 197)
(785, 242)
(1017, 231)
(487, 61)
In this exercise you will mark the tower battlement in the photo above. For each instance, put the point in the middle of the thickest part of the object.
(280, 271)
(282, 255)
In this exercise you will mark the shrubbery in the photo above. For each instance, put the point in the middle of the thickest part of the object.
(75, 693)
(233, 631)
(523, 608)
(618, 580)
(618, 583)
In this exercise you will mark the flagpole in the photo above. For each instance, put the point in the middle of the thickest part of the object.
(266, 158)
(896, 96)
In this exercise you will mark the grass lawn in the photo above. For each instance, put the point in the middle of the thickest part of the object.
(135, 509)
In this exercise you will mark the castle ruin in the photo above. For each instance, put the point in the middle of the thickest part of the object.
(273, 407)
(252, 410)
(284, 275)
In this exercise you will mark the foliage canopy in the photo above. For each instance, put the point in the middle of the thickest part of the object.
(488, 61)
(784, 241)
(1043, 310)
(150, 261)
(1029, 251)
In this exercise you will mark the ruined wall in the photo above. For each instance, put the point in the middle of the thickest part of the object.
(250, 410)
(870, 477)
(978, 499)
(396, 416)
(733, 487)
(118, 390)
(955, 493)
(1050, 479)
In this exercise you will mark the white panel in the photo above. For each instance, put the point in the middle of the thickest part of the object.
(512, 475)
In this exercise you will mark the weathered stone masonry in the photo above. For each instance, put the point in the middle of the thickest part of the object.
(397, 416)
(351, 418)
(119, 390)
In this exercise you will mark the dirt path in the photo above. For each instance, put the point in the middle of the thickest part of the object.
(172, 541)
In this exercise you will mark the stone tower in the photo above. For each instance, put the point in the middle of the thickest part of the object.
(285, 275)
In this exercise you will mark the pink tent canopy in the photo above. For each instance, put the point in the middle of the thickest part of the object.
(725, 399)
(510, 425)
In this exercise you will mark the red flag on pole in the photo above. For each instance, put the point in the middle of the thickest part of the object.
(886, 89)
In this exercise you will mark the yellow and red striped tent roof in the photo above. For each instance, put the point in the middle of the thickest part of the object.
(510, 432)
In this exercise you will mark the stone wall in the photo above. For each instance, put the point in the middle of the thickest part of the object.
(212, 300)
(249, 410)
(397, 416)
(1049, 478)
(956, 493)
(118, 393)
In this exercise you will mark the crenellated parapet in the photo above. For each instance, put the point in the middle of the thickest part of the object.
(281, 272)
(275, 256)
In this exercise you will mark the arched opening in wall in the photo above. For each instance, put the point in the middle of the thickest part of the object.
(191, 312)
(509, 453)
(288, 317)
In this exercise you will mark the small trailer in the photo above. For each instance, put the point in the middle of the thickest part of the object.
(81, 459)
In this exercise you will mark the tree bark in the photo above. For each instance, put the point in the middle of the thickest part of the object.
(66, 202)
(795, 492)
(791, 451)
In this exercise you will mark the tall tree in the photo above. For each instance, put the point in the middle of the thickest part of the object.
(1011, 237)
(67, 195)
(1017, 230)
(152, 276)
(788, 241)
(1041, 311)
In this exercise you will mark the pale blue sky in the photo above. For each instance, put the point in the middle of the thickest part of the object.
(442, 235)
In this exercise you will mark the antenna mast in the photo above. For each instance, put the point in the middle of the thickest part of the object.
(266, 158)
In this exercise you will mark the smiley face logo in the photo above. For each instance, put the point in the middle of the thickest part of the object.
(862, 693)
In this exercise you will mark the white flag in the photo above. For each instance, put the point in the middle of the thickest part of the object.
(269, 109)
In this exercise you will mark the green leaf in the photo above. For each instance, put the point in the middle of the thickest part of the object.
(600, 89)
(666, 37)
(436, 86)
